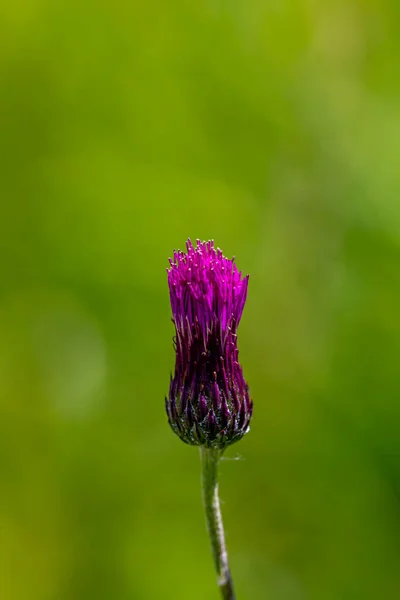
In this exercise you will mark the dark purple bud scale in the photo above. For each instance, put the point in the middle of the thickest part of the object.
(209, 401)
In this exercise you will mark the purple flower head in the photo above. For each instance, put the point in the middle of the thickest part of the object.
(208, 402)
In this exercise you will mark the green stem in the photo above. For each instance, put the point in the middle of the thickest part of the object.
(209, 460)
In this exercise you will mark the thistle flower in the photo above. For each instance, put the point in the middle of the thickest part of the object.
(209, 401)
(209, 404)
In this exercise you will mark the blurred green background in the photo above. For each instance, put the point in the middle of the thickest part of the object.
(274, 128)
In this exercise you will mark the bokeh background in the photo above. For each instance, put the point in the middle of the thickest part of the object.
(272, 127)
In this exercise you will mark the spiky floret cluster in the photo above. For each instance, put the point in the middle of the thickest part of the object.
(208, 402)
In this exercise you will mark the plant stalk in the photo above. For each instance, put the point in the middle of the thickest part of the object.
(209, 462)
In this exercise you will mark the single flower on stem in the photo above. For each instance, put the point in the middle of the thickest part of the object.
(209, 403)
